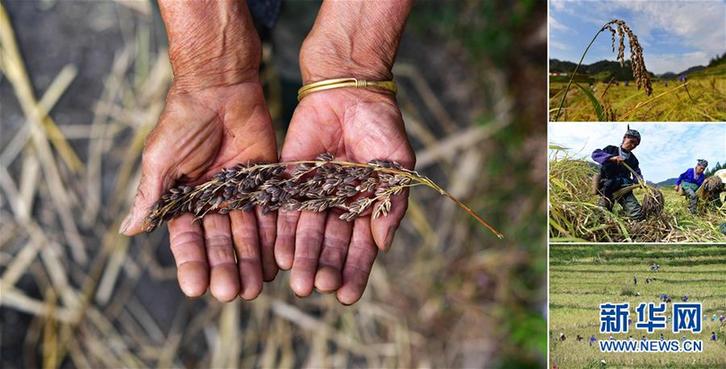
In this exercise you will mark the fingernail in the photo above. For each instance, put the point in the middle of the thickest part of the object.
(389, 238)
(125, 224)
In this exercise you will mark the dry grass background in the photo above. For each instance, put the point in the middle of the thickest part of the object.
(83, 83)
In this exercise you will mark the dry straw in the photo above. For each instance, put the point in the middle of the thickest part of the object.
(315, 185)
(653, 200)
(575, 216)
(711, 188)
(618, 30)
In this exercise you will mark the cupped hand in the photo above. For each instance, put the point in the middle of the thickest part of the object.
(200, 132)
(323, 251)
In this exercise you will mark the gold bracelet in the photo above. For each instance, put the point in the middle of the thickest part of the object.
(329, 84)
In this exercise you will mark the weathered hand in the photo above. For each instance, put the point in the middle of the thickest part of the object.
(323, 251)
(215, 117)
(199, 133)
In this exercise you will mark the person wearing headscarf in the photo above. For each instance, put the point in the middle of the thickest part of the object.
(689, 181)
(619, 168)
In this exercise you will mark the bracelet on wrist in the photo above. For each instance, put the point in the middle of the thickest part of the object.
(329, 84)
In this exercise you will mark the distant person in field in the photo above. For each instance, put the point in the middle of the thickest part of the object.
(689, 182)
(615, 174)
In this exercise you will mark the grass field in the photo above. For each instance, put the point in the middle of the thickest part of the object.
(701, 99)
(575, 217)
(583, 276)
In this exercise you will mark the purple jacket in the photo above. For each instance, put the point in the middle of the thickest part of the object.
(690, 177)
(611, 170)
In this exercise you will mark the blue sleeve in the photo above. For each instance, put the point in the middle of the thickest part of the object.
(600, 156)
(701, 179)
(682, 177)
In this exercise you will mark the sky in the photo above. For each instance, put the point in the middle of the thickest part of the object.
(675, 35)
(665, 151)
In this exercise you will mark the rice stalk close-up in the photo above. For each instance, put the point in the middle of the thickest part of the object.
(315, 185)
(618, 30)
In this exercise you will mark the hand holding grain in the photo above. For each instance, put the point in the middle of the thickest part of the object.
(322, 250)
(349, 39)
(215, 117)
(197, 135)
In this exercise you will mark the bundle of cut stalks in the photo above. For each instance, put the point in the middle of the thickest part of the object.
(653, 200)
(711, 188)
(575, 216)
(312, 185)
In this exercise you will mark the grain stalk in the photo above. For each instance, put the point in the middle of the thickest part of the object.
(644, 103)
(619, 30)
(312, 185)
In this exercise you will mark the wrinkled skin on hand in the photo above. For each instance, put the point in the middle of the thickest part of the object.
(323, 251)
(200, 132)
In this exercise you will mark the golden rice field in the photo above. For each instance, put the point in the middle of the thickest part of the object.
(584, 276)
(702, 99)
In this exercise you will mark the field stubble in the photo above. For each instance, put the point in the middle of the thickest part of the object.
(700, 100)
